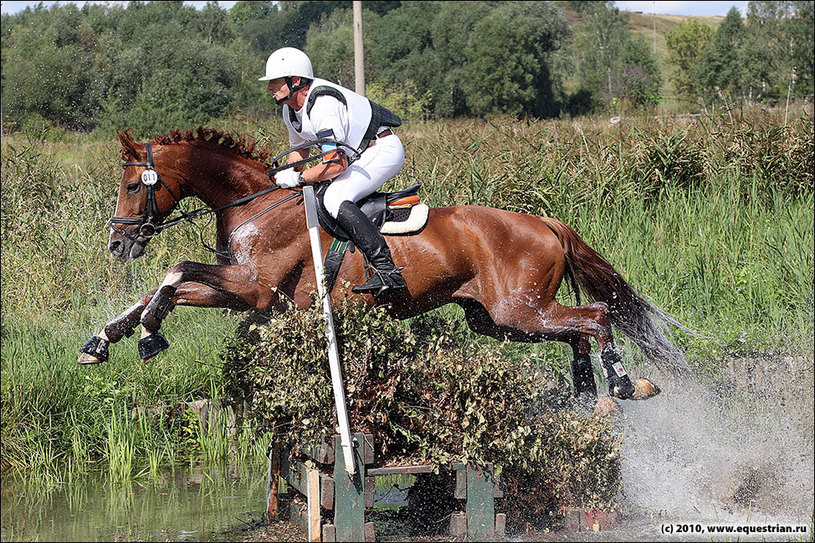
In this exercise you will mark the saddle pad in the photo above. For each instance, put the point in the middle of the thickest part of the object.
(413, 223)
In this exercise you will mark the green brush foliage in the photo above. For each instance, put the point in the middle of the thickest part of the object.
(426, 397)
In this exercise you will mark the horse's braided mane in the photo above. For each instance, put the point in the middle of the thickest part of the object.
(241, 145)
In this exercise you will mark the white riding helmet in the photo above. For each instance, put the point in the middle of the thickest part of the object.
(287, 62)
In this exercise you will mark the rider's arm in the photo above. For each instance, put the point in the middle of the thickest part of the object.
(329, 117)
(300, 154)
(325, 171)
(322, 171)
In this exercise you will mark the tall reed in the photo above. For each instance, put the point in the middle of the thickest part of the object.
(711, 219)
(121, 449)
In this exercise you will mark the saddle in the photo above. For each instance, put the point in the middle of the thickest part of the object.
(393, 213)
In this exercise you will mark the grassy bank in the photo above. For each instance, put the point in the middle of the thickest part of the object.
(710, 218)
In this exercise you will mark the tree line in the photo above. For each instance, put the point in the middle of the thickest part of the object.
(159, 65)
(763, 58)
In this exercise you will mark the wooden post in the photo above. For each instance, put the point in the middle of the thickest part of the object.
(359, 53)
(273, 481)
(313, 501)
(349, 492)
(480, 506)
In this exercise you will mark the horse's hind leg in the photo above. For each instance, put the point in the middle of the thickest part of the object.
(589, 321)
(585, 388)
(522, 322)
(573, 325)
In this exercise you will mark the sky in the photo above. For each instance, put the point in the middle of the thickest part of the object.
(672, 8)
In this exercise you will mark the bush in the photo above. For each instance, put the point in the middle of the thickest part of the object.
(426, 398)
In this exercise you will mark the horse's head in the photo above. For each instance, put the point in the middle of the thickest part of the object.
(148, 192)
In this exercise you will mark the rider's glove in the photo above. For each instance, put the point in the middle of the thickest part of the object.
(287, 179)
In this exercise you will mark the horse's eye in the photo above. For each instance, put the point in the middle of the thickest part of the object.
(133, 187)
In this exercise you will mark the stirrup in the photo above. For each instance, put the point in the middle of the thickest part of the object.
(379, 282)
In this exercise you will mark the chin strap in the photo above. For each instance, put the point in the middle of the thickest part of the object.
(292, 89)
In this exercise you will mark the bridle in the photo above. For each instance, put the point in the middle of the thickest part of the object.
(149, 226)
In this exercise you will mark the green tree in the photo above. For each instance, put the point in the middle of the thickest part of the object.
(721, 67)
(612, 64)
(400, 61)
(685, 44)
(636, 76)
(507, 60)
(245, 11)
(450, 31)
(50, 67)
(330, 46)
(778, 40)
(802, 34)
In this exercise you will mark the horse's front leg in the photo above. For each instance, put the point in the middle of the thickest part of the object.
(232, 287)
(206, 285)
(96, 350)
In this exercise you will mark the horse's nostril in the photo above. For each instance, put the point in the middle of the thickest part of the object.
(113, 246)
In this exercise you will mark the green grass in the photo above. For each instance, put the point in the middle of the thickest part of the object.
(711, 220)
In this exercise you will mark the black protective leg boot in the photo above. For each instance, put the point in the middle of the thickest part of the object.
(619, 383)
(366, 236)
(585, 389)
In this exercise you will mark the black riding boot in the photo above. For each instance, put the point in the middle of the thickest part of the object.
(366, 236)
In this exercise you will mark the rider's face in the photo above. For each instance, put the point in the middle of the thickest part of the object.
(278, 87)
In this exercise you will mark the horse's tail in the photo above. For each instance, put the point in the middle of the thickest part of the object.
(638, 319)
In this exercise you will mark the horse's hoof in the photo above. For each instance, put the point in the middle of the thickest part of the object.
(606, 407)
(644, 389)
(95, 351)
(86, 359)
(150, 346)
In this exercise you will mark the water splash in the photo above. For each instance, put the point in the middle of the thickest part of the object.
(740, 457)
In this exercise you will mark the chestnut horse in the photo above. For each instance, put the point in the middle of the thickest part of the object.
(503, 268)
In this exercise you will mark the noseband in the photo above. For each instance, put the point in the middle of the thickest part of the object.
(148, 225)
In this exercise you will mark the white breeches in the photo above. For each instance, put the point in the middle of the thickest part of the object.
(376, 166)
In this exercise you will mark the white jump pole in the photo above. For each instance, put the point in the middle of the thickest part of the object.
(333, 353)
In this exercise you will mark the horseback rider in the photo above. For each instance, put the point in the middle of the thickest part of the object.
(314, 109)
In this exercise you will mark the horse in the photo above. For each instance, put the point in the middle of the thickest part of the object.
(503, 268)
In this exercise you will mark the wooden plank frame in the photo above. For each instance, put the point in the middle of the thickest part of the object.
(330, 488)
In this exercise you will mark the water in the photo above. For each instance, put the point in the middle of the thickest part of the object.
(742, 455)
(184, 504)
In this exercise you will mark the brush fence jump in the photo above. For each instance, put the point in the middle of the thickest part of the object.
(336, 501)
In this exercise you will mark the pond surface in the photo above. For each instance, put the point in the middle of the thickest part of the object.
(183, 504)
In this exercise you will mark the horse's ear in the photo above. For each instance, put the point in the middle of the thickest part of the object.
(128, 143)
